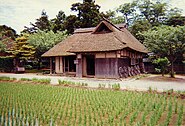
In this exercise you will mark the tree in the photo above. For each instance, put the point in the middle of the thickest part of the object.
(111, 16)
(166, 41)
(88, 13)
(71, 23)
(2, 47)
(138, 28)
(21, 50)
(176, 20)
(7, 31)
(43, 41)
(128, 10)
(57, 23)
(42, 24)
(153, 12)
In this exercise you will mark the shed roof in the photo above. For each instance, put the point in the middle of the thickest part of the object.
(95, 39)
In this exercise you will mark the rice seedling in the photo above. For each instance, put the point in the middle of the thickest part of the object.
(25, 104)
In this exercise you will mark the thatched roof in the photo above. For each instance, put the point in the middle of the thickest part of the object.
(104, 37)
(61, 49)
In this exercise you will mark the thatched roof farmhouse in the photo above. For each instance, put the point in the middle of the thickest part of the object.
(104, 51)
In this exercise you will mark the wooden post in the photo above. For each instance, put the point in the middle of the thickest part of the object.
(51, 67)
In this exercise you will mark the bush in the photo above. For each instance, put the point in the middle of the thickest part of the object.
(6, 64)
(28, 67)
(116, 86)
(5, 78)
(101, 85)
(25, 79)
(162, 64)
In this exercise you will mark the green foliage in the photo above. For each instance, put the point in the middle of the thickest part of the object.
(43, 41)
(116, 86)
(111, 16)
(128, 10)
(7, 31)
(21, 49)
(88, 13)
(162, 64)
(28, 67)
(6, 64)
(166, 41)
(71, 23)
(4, 78)
(71, 83)
(138, 27)
(2, 47)
(101, 85)
(57, 24)
(25, 79)
(41, 23)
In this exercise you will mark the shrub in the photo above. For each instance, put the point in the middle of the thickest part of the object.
(13, 78)
(116, 86)
(5, 78)
(6, 64)
(25, 79)
(162, 63)
(28, 67)
(101, 85)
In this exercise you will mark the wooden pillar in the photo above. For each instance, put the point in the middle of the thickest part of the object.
(51, 65)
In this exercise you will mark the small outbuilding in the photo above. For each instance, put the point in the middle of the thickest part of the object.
(104, 51)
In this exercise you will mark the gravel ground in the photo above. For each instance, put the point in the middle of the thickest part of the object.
(154, 81)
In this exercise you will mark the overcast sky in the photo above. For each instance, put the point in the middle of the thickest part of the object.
(19, 13)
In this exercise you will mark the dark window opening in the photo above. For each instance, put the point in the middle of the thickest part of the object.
(90, 59)
(69, 65)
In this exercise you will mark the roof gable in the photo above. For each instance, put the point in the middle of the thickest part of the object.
(105, 27)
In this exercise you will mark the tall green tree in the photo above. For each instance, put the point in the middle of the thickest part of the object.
(43, 41)
(166, 41)
(153, 12)
(88, 14)
(128, 10)
(41, 23)
(139, 27)
(57, 24)
(21, 50)
(71, 23)
(111, 16)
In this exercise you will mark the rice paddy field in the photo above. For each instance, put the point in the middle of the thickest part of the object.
(24, 104)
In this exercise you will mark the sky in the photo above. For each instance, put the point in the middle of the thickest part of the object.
(19, 13)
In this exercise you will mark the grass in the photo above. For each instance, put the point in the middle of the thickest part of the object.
(28, 104)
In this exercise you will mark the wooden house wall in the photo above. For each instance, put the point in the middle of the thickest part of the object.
(79, 70)
(123, 62)
(107, 64)
(106, 68)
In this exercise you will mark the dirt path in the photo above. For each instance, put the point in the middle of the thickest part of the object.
(151, 81)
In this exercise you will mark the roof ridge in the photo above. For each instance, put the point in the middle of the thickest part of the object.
(119, 39)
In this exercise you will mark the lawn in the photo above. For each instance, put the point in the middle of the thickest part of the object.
(36, 104)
